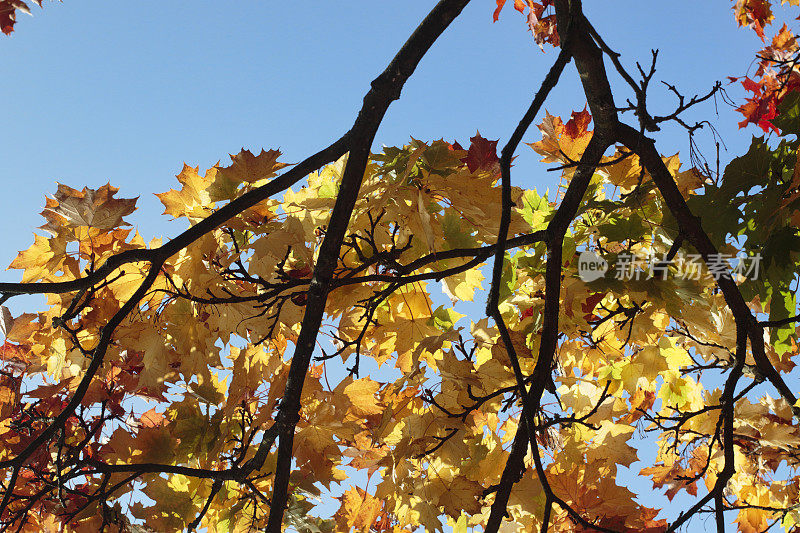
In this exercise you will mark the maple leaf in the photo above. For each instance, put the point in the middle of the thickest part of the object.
(578, 124)
(460, 494)
(754, 13)
(612, 443)
(560, 144)
(482, 155)
(462, 287)
(359, 510)
(519, 5)
(8, 13)
(193, 200)
(761, 108)
(43, 259)
(94, 208)
(362, 396)
(248, 168)
(673, 476)
(781, 49)
(543, 28)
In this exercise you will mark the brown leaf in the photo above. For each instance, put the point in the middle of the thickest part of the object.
(96, 208)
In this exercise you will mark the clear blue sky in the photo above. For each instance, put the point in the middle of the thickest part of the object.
(127, 91)
(97, 91)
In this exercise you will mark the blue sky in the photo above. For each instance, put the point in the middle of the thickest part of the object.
(127, 91)
(98, 91)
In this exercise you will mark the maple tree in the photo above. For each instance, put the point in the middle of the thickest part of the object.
(520, 419)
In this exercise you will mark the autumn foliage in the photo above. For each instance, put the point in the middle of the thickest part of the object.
(197, 382)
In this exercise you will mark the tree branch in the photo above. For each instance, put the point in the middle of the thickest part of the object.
(385, 89)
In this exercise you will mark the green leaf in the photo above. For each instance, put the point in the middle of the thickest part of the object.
(788, 119)
(444, 318)
(620, 227)
(536, 210)
(508, 279)
(440, 159)
(747, 171)
(455, 234)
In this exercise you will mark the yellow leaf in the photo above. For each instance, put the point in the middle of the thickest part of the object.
(358, 510)
(249, 168)
(460, 494)
(611, 443)
(362, 395)
(192, 200)
(462, 286)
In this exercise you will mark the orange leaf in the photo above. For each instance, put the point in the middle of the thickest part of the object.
(358, 510)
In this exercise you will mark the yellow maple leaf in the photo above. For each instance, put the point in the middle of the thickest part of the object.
(248, 168)
(563, 143)
(460, 494)
(193, 200)
(43, 259)
(462, 286)
(358, 510)
(362, 395)
(611, 443)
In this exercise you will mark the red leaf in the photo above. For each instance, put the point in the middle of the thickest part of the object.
(500, 4)
(578, 124)
(8, 15)
(299, 273)
(519, 5)
(750, 85)
(591, 302)
(10, 351)
(482, 155)
(760, 111)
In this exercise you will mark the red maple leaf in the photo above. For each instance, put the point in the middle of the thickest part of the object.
(10, 351)
(591, 302)
(578, 124)
(482, 154)
(8, 15)
(519, 5)
(761, 108)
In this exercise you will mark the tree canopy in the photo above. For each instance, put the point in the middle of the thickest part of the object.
(190, 382)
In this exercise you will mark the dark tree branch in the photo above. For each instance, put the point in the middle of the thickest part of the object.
(691, 226)
(514, 463)
(385, 89)
(574, 31)
(512, 473)
(176, 244)
(727, 415)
